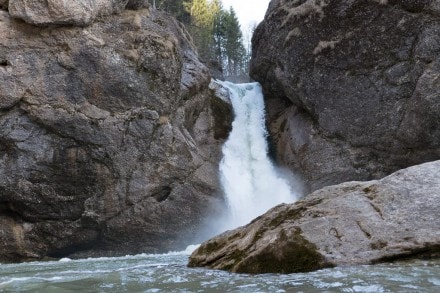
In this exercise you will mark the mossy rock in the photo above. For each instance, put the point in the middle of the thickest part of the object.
(291, 254)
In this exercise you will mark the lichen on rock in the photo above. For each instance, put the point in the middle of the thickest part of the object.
(299, 10)
(349, 86)
(108, 137)
(348, 224)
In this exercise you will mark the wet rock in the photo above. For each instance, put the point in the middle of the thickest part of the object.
(350, 86)
(108, 137)
(347, 224)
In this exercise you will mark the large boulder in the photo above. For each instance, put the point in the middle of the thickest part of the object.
(351, 86)
(109, 137)
(61, 12)
(347, 224)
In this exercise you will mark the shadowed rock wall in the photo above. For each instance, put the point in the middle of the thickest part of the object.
(351, 86)
(109, 136)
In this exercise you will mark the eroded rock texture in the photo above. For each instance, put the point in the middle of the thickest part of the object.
(351, 223)
(108, 139)
(352, 87)
(4, 4)
(137, 4)
(79, 12)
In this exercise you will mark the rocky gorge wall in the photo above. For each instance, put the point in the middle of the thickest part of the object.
(351, 86)
(352, 92)
(109, 135)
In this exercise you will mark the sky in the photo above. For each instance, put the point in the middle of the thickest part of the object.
(248, 11)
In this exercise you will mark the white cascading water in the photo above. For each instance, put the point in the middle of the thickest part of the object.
(250, 180)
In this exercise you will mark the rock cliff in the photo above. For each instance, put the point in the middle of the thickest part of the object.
(351, 223)
(351, 86)
(109, 135)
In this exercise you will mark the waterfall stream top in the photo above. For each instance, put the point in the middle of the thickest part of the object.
(250, 181)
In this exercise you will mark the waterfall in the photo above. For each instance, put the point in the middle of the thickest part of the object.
(249, 179)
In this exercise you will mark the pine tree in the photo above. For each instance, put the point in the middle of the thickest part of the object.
(215, 31)
(230, 38)
(202, 20)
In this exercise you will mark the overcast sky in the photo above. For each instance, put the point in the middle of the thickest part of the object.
(248, 11)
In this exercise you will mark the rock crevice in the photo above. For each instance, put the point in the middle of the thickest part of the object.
(109, 135)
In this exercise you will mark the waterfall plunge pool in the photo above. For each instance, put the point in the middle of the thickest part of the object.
(250, 181)
(168, 273)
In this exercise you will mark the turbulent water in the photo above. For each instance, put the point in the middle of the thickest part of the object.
(252, 186)
(250, 181)
(168, 273)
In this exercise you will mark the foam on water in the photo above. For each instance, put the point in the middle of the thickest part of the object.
(252, 185)
(168, 273)
(249, 179)
(65, 259)
(187, 251)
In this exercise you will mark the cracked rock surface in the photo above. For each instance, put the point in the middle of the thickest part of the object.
(346, 224)
(109, 137)
(351, 87)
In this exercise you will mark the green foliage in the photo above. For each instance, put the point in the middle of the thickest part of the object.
(202, 20)
(234, 52)
(215, 31)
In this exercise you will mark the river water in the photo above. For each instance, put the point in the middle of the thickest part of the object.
(252, 185)
(168, 273)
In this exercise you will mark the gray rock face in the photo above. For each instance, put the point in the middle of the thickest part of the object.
(346, 224)
(109, 137)
(4, 4)
(79, 12)
(351, 86)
